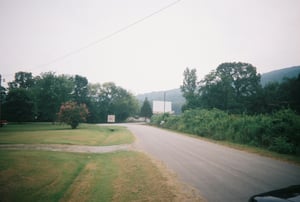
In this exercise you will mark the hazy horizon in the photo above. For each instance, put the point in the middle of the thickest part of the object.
(144, 46)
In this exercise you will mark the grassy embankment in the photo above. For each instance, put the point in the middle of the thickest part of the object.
(62, 176)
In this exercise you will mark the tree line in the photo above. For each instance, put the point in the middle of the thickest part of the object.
(230, 104)
(39, 98)
(235, 88)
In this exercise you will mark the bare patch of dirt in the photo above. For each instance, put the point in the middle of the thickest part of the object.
(67, 148)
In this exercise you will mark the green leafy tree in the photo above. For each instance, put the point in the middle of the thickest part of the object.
(282, 95)
(146, 110)
(271, 97)
(94, 105)
(289, 93)
(211, 92)
(231, 87)
(2, 94)
(19, 106)
(22, 80)
(118, 101)
(80, 89)
(72, 114)
(50, 92)
(295, 93)
(189, 89)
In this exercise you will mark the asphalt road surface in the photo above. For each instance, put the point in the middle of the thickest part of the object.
(218, 172)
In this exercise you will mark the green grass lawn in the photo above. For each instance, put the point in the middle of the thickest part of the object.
(59, 176)
(47, 133)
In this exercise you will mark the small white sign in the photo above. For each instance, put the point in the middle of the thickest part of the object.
(111, 118)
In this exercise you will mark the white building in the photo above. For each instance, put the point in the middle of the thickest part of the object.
(160, 107)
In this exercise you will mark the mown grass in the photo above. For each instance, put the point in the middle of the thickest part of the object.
(59, 176)
(47, 133)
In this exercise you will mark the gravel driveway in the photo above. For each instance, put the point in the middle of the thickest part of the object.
(68, 148)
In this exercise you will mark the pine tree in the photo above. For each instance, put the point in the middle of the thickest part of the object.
(146, 110)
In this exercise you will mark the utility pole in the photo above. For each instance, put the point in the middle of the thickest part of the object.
(0, 99)
(164, 102)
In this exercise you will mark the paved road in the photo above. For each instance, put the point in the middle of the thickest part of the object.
(220, 173)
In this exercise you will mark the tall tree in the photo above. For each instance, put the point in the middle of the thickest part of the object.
(118, 101)
(22, 80)
(212, 92)
(282, 95)
(19, 106)
(94, 105)
(189, 89)
(231, 87)
(80, 89)
(294, 92)
(2, 94)
(146, 110)
(50, 92)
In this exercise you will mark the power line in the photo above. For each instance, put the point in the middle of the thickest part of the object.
(104, 38)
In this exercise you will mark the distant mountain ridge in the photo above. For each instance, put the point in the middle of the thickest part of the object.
(175, 95)
(279, 75)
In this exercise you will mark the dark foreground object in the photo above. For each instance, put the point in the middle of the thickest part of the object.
(291, 194)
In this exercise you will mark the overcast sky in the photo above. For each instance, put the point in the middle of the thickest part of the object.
(117, 40)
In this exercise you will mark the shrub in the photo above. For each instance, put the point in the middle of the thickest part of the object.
(156, 119)
(172, 122)
(72, 114)
(281, 145)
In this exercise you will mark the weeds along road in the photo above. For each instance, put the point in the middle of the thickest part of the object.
(218, 172)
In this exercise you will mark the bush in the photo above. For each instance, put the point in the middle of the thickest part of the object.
(281, 145)
(156, 119)
(205, 123)
(72, 114)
